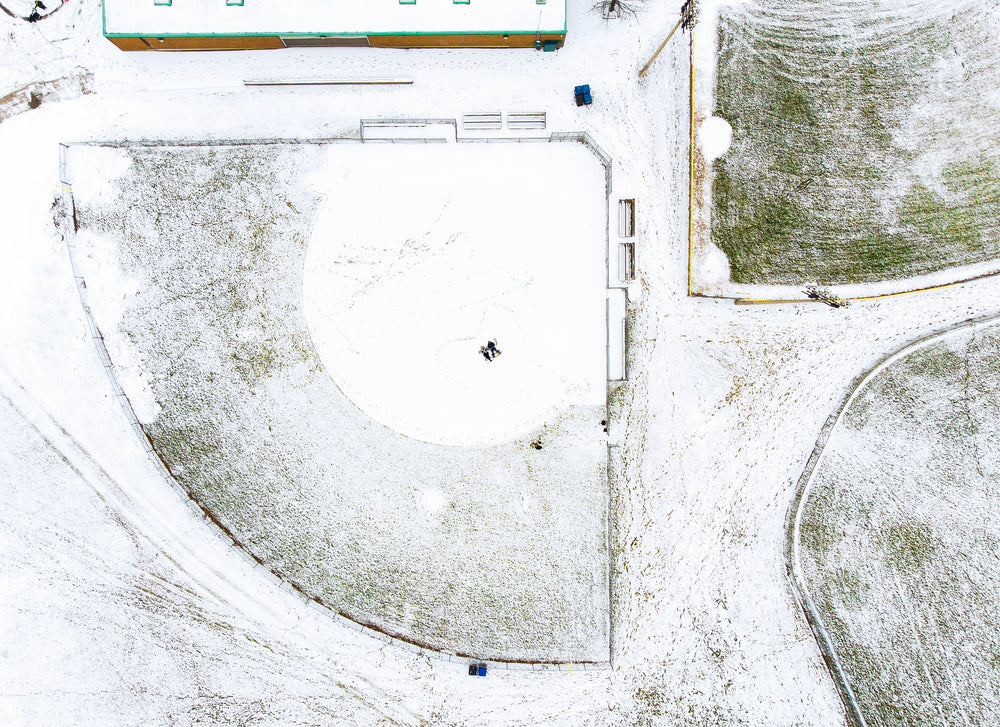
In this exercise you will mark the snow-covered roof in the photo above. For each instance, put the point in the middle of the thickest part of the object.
(328, 17)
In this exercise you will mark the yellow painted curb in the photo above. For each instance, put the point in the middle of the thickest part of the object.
(691, 181)
(764, 301)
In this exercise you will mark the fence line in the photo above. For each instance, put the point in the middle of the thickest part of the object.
(406, 124)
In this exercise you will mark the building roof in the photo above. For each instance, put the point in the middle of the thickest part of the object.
(331, 17)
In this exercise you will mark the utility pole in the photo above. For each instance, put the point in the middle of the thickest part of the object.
(687, 20)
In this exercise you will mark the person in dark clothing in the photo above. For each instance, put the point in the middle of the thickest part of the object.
(491, 346)
(34, 16)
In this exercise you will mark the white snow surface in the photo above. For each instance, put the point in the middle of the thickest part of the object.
(715, 135)
(463, 244)
(120, 606)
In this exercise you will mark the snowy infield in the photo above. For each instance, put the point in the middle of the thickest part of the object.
(468, 244)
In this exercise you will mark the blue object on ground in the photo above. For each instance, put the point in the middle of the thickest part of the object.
(482, 670)
(585, 88)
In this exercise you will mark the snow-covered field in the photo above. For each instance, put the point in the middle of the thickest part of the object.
(864, 144)
(310, 372)
(900, 539)
(121, 607)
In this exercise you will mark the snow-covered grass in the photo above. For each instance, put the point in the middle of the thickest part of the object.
(865, 145)
(193, 261)
(900, 537)
(721, 410)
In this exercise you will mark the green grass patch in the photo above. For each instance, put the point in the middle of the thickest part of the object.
(900, 542)
(829, 178)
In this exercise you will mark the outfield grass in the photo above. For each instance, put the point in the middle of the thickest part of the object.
(865, 147)
(901, 541)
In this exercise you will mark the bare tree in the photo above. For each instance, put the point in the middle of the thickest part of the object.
(821, 294)
(38, 9)
(618, 8)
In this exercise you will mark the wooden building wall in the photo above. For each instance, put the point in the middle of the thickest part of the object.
(510, 40)
(220, 42)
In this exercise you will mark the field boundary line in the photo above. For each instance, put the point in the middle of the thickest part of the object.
(793, 517)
